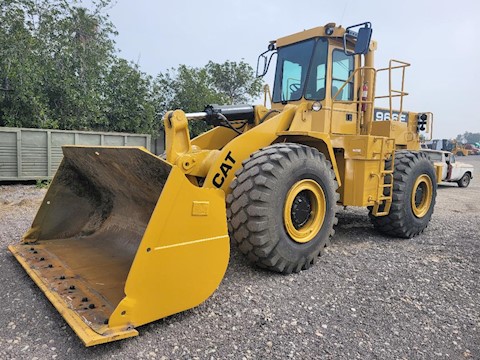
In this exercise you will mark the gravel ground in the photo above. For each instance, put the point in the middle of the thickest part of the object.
(369, 298)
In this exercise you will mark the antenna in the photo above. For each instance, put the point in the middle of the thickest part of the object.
(344, 9)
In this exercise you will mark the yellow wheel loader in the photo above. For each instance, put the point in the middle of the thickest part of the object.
(124, 237)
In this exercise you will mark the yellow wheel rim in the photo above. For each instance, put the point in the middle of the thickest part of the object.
(304, 210)
(422, 195)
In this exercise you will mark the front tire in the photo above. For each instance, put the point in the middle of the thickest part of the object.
(282, 207)
(464, 181)
(414, 194)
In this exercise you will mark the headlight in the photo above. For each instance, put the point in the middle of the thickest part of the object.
(316, 106)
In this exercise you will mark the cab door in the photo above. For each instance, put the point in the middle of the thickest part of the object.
(445, 166)
(449, 160)
(343, 107)
(457, 171)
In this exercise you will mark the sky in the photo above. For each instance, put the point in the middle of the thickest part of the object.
(438, 38)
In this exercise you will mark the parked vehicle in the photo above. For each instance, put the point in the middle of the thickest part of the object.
(448, 145)
(452, 171)
(472, 149)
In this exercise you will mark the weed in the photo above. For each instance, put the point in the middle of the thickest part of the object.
(43, 184)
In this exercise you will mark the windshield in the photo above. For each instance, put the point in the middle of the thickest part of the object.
(295, 76)
(434, 156)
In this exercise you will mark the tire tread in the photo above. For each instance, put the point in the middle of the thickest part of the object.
(248, 205)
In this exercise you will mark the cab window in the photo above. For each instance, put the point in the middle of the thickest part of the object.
(301, 69)
(436, 157)
(292, 76)
(292, 68)
(342, 68)
(316, 81)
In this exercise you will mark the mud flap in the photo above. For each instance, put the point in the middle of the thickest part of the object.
(123, 238)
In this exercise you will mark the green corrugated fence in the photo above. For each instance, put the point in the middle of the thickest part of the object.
(32, 154)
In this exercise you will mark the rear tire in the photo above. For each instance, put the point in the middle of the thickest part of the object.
(414, 194)
(464, 181)
(281, 210)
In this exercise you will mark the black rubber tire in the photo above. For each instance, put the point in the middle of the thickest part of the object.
(459, 153)
(401, 221)
(464, 181)
(256, 203)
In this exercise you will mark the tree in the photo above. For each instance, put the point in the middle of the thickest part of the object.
(190, 89)
(129, 105)
(234, 80)
(53, 55)
(187, 88)
(470, 138)
(19, 71)
(60, 70)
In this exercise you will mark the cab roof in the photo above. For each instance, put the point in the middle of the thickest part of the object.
(338, 32)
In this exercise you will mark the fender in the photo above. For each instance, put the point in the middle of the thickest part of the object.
(305, 137)
(230, 159)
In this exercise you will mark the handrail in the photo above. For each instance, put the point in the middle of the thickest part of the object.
(266, 95)
(387, 96)
(392, 93)
(360, 102)
(398, 93)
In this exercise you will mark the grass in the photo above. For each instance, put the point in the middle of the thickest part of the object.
(43, 184)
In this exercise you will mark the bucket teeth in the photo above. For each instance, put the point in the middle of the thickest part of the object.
(75, 292)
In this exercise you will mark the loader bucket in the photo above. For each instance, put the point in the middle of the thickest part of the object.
(123, 238)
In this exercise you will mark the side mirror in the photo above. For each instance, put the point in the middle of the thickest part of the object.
(362, 38)
(261, 65)
(263, 61)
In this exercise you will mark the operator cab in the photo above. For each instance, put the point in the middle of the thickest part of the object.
(319, 65)
(301, 71)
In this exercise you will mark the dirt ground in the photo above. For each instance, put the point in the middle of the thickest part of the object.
(369, 297)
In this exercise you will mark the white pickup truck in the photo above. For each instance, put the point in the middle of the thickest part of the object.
(453, 171)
